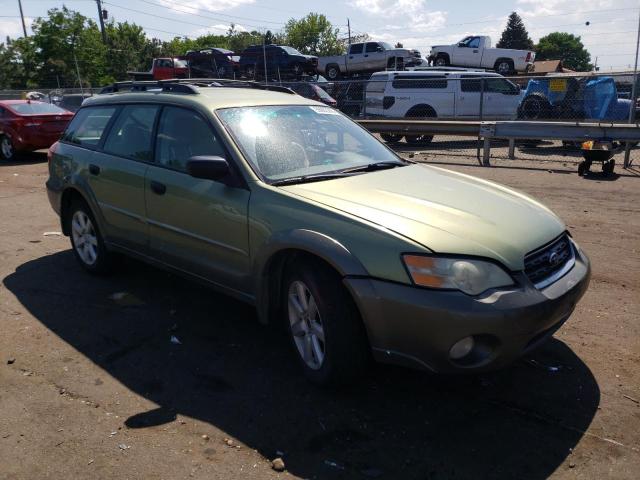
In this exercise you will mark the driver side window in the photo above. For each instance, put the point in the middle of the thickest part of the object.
(474, 42)
(183, 134)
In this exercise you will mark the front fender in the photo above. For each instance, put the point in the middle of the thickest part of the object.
(309, 241)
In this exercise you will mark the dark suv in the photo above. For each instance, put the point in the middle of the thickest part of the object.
(212, 63)
(281, 62)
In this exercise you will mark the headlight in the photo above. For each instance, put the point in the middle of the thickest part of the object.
(469, 276)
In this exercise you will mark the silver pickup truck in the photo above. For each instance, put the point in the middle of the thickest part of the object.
(364, 58)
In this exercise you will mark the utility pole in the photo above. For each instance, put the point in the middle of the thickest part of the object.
(349, 29)
(24, 26)
(634, 93)
(104, 34)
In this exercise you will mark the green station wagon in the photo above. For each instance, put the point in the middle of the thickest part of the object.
(287, 204)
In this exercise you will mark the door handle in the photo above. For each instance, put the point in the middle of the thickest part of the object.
(366, 55)
(351, 57)
(157, 187)
(94, 169)
(475, 51)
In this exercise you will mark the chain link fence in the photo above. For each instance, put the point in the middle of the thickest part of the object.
(448, 94)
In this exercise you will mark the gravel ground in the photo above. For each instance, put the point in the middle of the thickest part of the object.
(91, 385)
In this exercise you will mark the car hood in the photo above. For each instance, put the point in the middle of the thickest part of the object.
(445, 211)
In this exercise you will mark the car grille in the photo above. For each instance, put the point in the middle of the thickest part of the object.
(547, 264)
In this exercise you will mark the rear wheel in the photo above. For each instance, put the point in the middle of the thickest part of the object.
(391, 137)
(504, 67)
(86, 241)
(7, 152)
(250, 71)
(441, 61)
(420, 112)
(333, 72)
(323, 324)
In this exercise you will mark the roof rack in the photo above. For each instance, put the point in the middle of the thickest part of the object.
(188, 85)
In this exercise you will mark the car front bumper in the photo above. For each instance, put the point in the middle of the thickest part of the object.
(417, 327)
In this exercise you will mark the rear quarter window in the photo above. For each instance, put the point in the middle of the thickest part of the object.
(419, 82)
(88, 126)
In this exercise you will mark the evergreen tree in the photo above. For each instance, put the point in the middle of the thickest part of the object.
(515, 35)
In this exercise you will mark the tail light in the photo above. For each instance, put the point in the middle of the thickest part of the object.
(51, 151)
(387, 102)
(528, 57)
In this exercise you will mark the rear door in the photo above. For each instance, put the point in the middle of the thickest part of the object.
(375, 56)
(356, 59)
(468, 97)
(117, 173)
(196, 225)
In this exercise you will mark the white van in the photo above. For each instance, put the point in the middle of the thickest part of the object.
(442, 94)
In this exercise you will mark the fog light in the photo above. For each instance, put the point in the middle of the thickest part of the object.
(461, 348)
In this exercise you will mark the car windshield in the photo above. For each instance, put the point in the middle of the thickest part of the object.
(286, 142)
(36, 108)
(291, 51)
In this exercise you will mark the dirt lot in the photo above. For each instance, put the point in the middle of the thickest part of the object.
(92, 387)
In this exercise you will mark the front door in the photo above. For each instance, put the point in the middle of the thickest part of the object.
(196, 225)
(501, 99)
(467, 53)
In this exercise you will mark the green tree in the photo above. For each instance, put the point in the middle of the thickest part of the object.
(566, 47)
(313, 35)
(515, 35)
(128, 49)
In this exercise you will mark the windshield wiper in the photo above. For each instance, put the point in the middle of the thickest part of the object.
(318, 177)
(370, 167)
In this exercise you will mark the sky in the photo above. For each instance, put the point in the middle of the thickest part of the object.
(608, 28)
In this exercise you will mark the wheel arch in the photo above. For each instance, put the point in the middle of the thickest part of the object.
(504, 59)
(67, 198)
(444, 55)
(285, 247)
(421, 110)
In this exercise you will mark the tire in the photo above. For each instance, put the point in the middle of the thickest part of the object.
(323, 324)
(441, 61)
(7, 150)
(333, 72)
(391, 137)
(222, 72)
(86, 240)
(534, 107)
(250, 72)
(420, 113)
(297, 70)
(504, 67)
(582, 169)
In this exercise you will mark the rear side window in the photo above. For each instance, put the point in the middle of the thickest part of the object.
(88, 126)
(35, 108)
(419, 81)
(357, 48)
(470, 84)
(183, 134)
(131, 133)
(372, 47)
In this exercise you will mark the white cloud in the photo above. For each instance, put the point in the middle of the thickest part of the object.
(13, 28)
(413, 11)
(218, 29)
(204, 5)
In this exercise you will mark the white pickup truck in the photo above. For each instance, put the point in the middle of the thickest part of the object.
(476, 51)
(364, 58)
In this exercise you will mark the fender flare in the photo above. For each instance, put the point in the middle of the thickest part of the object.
(308, 241)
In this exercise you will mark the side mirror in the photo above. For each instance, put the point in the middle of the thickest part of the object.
(379, 49)
(461, 44)
(208, 167)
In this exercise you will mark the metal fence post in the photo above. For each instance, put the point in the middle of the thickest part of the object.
(512, 149)
(486, 153)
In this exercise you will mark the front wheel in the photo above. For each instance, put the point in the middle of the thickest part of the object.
(86, 241)
(323, 324)
(7, 151)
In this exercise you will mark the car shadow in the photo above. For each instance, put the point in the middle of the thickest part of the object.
(242, 378)
(28, 158)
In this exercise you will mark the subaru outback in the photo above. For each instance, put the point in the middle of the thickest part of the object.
(290, 206)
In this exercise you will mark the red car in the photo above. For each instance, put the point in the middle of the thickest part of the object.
(27, 125)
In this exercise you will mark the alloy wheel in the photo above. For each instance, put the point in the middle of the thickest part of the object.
(85, 239)
(6, 148)
(306, 325)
